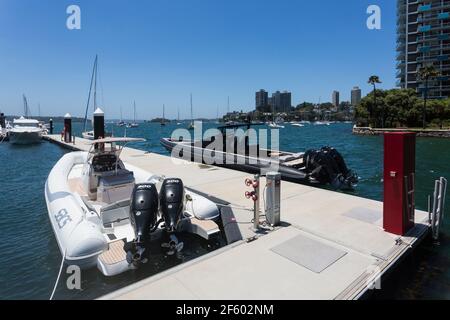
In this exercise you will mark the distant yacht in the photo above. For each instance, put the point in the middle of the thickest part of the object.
(134, 124)
(275, 122)
(121, 123)
(25, 131)
(275, 125)
(217, 116)
(178, 119)
(322, 123)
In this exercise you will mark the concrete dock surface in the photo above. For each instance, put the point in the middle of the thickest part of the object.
(331, 245)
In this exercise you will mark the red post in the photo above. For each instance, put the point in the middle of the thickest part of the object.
(399, 174)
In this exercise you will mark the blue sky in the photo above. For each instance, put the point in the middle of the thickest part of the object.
(159, 51)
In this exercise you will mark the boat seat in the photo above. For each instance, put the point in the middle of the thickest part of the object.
(76, 185)
(115, 212)
(114, 188)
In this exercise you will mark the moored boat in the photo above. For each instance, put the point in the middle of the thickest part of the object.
(105, 212)
(25, 131)
(324, 166)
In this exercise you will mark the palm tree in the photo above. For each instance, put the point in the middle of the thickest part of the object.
(425, 73)
(373, 80)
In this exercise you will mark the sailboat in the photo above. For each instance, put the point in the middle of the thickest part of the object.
(134, 124)
(217, 116)
(121, 123)
(163, 120)
(274, 123)
(178, 119)
(191, 125)
(90, 134)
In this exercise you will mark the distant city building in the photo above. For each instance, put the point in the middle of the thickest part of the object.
(356, 96)
(423, 37)
(335, 98)
(262, 100)
(281, 101)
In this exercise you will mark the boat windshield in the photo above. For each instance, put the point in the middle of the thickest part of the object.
(109, 148)
(22, 124)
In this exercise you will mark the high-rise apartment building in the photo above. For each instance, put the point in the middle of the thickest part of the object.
(335, 98)
(423, 38)
(281, 101)
(355, 96)
(261, 100)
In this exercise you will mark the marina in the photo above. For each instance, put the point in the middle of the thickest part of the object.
(200, 159)
(337, 234)
(322, 215)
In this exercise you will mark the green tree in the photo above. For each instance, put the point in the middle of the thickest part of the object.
(425, 74)
(374, 80)
(398, 103)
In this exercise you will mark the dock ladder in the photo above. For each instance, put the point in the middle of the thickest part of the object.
(437, 210)
(409, 194)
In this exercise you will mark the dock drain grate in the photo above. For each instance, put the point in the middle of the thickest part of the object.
(311, 254)
(365, 215)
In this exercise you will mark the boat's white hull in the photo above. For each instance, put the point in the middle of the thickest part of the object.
(79, 240)
(80, 233)
(88, 135)
(25, 137)
(276, 126)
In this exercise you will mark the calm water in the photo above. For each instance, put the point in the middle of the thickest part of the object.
(30, 258)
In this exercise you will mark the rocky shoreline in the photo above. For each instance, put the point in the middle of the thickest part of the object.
(431, 133)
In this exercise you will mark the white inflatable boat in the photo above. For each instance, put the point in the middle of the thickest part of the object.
(104, 212)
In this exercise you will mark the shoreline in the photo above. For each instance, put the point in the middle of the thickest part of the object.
(428, 133)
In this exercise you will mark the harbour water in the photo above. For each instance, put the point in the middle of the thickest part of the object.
(30, 257)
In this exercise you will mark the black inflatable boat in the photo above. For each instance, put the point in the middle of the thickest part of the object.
(324, 166)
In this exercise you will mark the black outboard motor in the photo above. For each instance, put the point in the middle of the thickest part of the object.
(171, 198)
(143, 216)
(326, 166)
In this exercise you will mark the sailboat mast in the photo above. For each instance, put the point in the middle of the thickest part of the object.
(134, 106)
(89, 95)
(95, 83)
(25, 106)
(192, 113)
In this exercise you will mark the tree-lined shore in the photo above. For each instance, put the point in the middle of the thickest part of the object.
(397, 108)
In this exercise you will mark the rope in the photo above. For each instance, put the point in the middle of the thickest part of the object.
(63, 259)
(59, 275)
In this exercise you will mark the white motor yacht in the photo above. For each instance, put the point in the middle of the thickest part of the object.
(25, 131)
